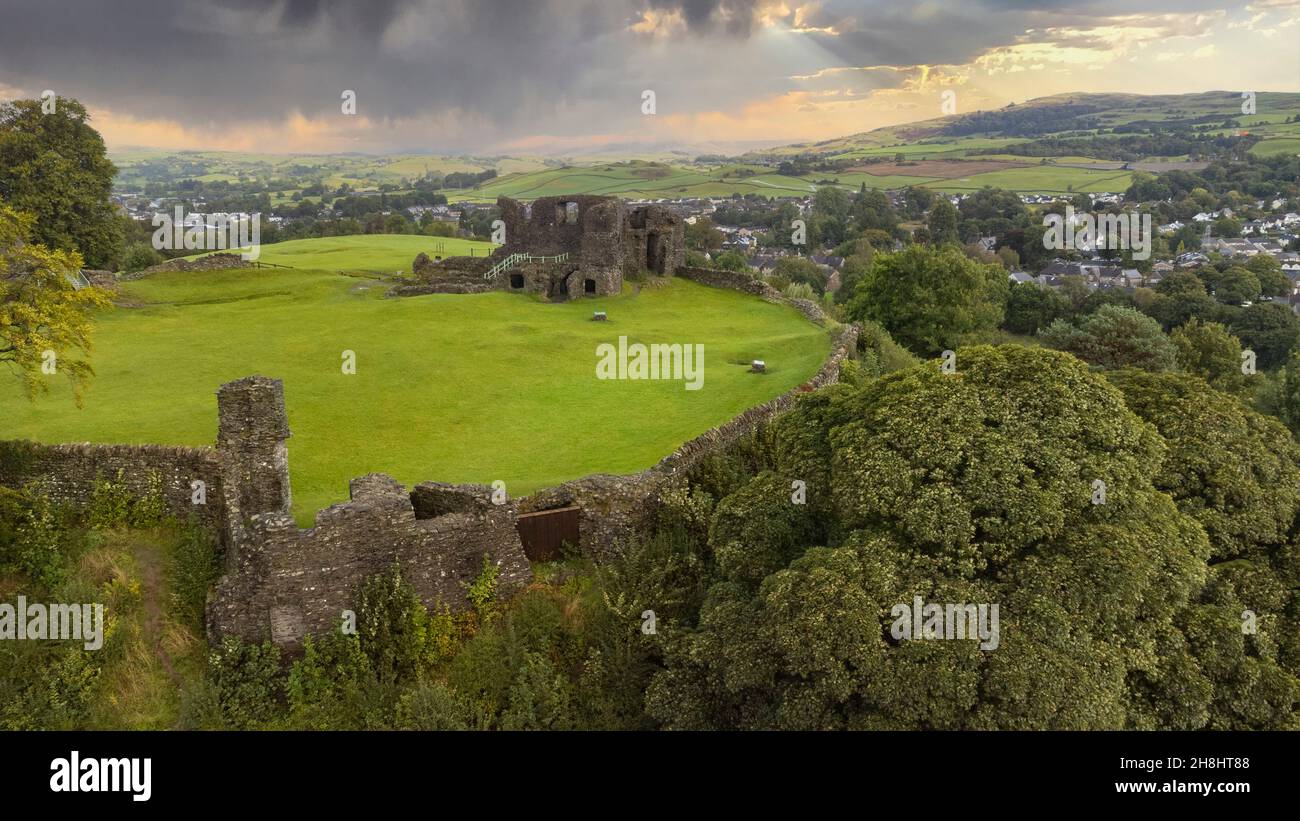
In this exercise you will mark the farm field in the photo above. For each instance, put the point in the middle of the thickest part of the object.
(368, 253)
(654, 182)
(457, 388)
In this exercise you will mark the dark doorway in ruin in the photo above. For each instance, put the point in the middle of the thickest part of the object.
(653, 258)
(558, 290)
(589, 286)
(566, 213)
(516, 280)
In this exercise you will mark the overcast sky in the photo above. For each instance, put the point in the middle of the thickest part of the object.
(522, 76)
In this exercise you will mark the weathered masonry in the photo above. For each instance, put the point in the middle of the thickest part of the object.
(563, 248)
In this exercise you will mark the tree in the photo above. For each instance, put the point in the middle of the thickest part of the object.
(1114, 337)
(702, 235)
(851, 273)
(1210, 351)
(45, 320)
(1179, 297)
(942, 222)
(929, 298)
(1031, 307)
(1266, 268)
(54, 166)
(1270, 329)
(138, 256)
(798, 269)
(965, 488)
(732, 261)
(1235, 470)
(1236, 286)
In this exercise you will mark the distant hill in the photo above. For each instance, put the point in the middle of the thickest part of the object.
(1075, 114)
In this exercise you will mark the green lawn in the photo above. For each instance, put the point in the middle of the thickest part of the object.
(376, 253)
(448, 387)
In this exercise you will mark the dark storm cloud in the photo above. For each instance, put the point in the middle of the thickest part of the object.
(500, 67)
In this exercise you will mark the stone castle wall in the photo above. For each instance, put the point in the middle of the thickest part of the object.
(67, 474)
(287, 583)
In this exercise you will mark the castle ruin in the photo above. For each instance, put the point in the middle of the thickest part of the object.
(563, 248)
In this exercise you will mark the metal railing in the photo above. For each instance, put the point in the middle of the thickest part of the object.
(515, 259)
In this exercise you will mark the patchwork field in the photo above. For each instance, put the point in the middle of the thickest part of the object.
(448, 387)
(671, 182)
(939, 169)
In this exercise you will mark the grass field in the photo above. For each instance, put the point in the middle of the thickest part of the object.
(448, 387)
(373, 253)
(628, 180)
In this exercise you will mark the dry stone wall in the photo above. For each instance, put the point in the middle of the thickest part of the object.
(67, 474)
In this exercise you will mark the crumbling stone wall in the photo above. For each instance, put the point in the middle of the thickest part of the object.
(748, 284)
(654, 241)
(67, 473)
(213, 262)
(604, 239)
(289, 583)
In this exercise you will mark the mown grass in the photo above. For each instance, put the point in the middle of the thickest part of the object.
(460, 388)
(373, 253)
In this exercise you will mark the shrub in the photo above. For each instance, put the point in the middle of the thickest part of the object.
(193, 566)
(540, 698)
(34, 536)
(433, 706)
(482, 591)
(247, 684)
(140, 255)
(332, 687)
(394, 628)
(110, 504)
(150, 509)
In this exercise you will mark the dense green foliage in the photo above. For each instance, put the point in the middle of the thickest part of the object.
(54, 166)
(974, 487)
(930, 298)
(1114, 337)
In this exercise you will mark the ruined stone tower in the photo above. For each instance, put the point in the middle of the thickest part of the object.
(252, 429)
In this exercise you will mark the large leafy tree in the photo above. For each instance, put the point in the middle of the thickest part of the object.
(979, 487)
(1114, 337)
(930, 298)
(45, 319)
(54, 166)
(1031, 307)
(1210, 351)
(973, 487)
(1236, 472)
(1270, 329)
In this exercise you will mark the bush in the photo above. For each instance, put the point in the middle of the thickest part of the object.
(150, 510)
(193, 567)
(110, 504)
(432, 706)
(35, 538)
(482, 591)
(247, 684)
(332, 687)
(394, 628)
(140, 255)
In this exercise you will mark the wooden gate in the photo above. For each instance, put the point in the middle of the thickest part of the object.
(544, 531)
